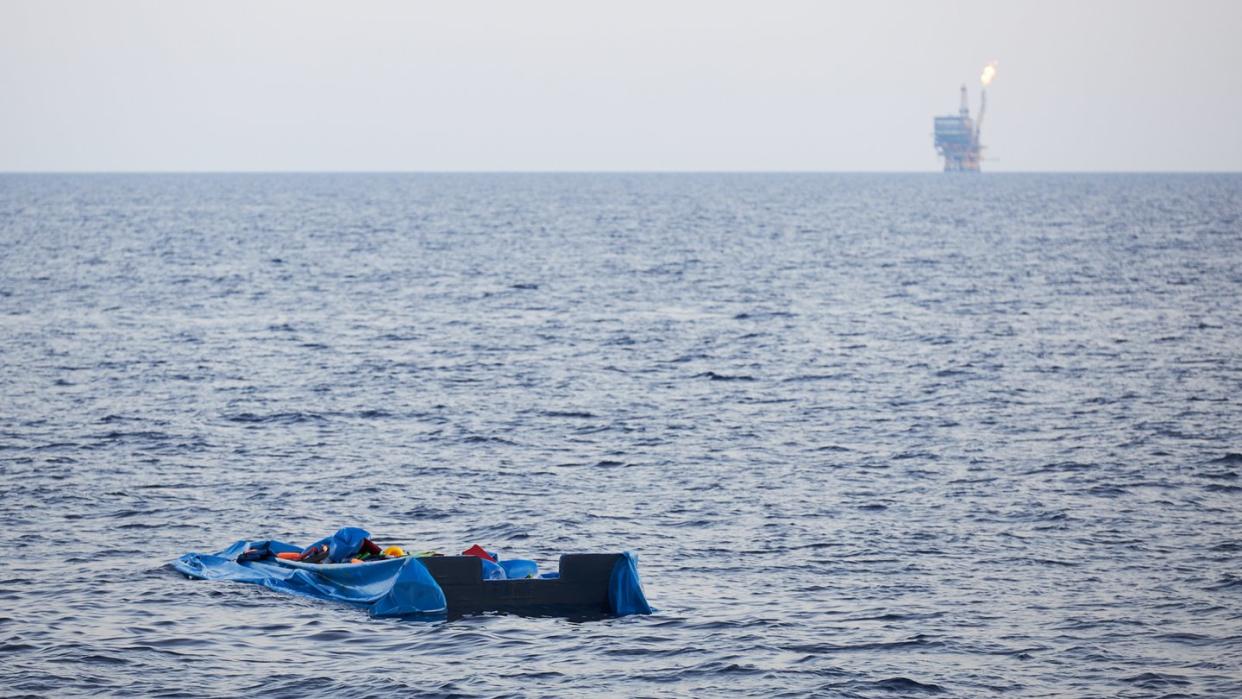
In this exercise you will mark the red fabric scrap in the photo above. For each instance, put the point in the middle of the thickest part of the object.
(478, 551)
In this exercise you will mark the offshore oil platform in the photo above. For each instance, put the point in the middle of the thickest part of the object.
(957, 135)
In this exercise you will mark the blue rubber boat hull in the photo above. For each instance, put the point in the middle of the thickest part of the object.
(586, 584)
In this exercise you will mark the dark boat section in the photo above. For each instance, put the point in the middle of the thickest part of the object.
(581, 589)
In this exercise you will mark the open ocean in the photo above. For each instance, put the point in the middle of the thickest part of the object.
(869, 435)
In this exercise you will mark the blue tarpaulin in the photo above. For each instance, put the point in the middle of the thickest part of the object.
(625, 590)
(396, 587)
(342, 545)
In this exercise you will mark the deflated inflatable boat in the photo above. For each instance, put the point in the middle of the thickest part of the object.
(586, 584)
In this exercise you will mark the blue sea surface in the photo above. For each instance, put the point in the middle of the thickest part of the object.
(870, 435)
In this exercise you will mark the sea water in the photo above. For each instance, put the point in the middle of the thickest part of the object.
(869, 435)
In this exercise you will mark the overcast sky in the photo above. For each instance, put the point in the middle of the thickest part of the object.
(635, 85)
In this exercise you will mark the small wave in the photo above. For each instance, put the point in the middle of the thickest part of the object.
(93, 659)
(426, 512)
(802, 378)
(1227, 582)
(915, 455)
(1063, 467)
(1053, 562)
(1189, 639)
(284, 418)
(1220, 475)
(764, 315)
(893, 616)
(1155, 680)
(16, 647)
(723, 377)
(569, 413)
(56, 445)
(118, 436)
(481, 439)
(1230, 459)
(919, 641)
(905, 684)
(374, 414)
(113, 419)
(682, 359)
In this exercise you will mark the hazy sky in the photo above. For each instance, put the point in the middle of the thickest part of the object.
(635, 85)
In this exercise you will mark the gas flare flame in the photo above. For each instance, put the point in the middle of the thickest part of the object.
(989, 73)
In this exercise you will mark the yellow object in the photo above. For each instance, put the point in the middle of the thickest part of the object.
(394, 552)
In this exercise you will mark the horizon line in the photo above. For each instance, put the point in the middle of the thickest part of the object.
(615, 172)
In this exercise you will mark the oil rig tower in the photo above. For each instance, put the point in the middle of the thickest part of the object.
(957, 135)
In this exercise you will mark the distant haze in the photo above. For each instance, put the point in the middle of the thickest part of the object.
(850, 86)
